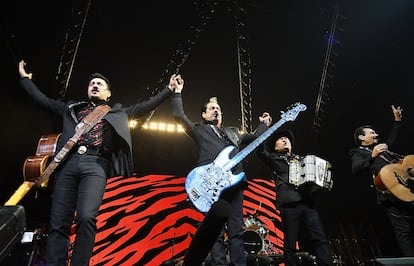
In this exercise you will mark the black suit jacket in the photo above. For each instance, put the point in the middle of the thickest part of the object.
(117, 117)
(364, 166)
(279, 165)
(361, 159)
(209, 143)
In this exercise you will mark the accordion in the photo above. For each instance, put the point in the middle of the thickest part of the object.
(310, 170)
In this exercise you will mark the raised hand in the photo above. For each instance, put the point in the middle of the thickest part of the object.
(22, 70)
(266, 118)
(397, 111)
(176, 83)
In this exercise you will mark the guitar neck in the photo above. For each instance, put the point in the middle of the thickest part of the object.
(44, 177)
(19, 193)
(253, 145)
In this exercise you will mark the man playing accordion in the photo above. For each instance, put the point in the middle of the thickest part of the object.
(295, 203)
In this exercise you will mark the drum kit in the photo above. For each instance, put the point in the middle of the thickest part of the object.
(255, 237)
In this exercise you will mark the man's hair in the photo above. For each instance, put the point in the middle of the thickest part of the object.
(99, 75)
(210, 100)
(360, 131)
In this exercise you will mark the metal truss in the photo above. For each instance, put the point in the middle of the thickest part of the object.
(244, 65)
(71, 44)
(325, 85)
(204, 10)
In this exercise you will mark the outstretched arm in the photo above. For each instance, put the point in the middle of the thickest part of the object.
(177, 105)
(56, 106)
(265, 121)
(144, 107)
(393, 135)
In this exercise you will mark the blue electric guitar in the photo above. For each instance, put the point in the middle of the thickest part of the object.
(205, 183)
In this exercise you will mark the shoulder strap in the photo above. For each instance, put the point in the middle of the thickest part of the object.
(90, 120)
(84, 126)
(233, 137)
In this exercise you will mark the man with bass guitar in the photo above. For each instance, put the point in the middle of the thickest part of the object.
(211, 138)
(392, 179)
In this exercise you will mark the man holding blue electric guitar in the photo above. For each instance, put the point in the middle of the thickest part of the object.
(219, 175)
(212, 138)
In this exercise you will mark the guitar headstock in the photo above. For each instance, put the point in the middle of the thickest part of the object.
(293, 111)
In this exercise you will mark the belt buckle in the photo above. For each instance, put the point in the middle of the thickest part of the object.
(82, 149)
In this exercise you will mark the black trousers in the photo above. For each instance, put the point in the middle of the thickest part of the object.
(292, 216)
(78, 189)
(402, 220)
(234, 229)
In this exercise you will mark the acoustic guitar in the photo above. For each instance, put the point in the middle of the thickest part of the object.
(34, 166)
(395, 178)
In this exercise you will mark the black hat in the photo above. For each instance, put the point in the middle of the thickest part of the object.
(99, 75)
(270, 143)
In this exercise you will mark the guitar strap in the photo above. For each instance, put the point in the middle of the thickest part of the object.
(233, 137)
(382, 156)
(84, 126)
(226, 134)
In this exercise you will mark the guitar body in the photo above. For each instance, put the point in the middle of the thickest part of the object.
(34, 166)
(394, 178)
(205, 183)
(47, 144)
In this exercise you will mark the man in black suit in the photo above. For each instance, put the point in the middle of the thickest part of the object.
(103, 151)
(367, 159)
(211, 138)
(296, 205)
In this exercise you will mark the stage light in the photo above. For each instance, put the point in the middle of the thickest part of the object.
(158, 126)
(180, 128)
(132, 123)
(153, 125)
(170, 128)
(162, 126)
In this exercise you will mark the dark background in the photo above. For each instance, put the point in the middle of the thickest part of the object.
(131, 42)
